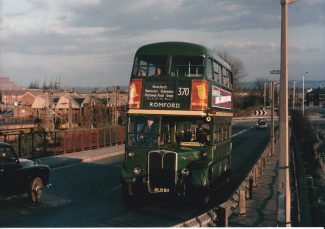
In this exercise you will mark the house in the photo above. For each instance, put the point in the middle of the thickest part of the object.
(23, 107)
(118, 99)
(67, 101)
(91, 100)
(43, 102)
(11, 96)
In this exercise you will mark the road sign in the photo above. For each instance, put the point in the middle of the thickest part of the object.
(275, 72)
(261, 112)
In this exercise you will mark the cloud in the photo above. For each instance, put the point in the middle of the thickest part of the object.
(66, 36)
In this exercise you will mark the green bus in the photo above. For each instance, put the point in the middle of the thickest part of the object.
(178, 135)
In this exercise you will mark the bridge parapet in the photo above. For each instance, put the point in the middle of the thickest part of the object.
(219, 215)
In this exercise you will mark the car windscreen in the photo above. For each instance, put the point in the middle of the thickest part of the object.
(7, 155)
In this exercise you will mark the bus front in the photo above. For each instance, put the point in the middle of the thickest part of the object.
(170, 131)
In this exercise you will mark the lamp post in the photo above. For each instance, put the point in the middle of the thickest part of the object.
(272, 111)
(265, 95)
(294, 94)
(303, 93)
(284, 198)
(272, 118)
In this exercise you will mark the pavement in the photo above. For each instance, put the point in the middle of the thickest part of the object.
(261, 209)
(82, 156)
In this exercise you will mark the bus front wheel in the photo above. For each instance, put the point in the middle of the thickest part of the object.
(131, 192)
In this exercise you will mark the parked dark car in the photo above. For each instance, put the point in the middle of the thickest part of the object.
(19, 176)
(261, 124)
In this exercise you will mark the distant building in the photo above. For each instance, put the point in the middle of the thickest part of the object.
(23, 106)
(11, 97)
(316, 97)
(6, 84)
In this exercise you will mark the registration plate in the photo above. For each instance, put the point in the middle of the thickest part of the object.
(161, 189)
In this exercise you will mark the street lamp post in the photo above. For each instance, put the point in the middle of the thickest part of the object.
(272, 118)
(272, 138)
(284, 198)
(294, 94)
(265, 95)
(303, 93)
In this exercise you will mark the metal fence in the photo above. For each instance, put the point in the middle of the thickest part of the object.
(37, 144)
(7, 121)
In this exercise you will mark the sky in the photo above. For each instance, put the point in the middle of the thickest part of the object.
(93, 42)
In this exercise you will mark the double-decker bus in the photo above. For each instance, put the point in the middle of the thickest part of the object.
(178, 120)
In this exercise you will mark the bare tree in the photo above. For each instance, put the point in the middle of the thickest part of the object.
(237, 66)
(259, 85)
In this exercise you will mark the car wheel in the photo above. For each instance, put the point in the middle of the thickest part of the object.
(35, 190)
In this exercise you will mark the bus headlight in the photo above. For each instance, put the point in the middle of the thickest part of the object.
(130, 154)
(185, 172)
(137, 171)
(204, 154)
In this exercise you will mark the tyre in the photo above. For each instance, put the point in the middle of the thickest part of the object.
(35, 190)
(132, 193)
(128, 192)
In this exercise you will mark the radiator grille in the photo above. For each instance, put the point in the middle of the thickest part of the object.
(162, 167)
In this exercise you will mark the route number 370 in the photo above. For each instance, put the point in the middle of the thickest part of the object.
(183, 91)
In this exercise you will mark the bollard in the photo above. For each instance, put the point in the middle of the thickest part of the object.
(242, 203)
(223, 217)
(223, 213)
(250, 188)
(255, 178)
(261, 168)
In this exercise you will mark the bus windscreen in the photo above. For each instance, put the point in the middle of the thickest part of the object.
(147, 65)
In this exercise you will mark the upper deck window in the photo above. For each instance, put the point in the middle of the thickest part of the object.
(209, 69)
(150, 65)
(226, 77)
(217, 72)
(190, 66)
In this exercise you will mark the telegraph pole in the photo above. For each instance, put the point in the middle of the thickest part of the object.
(294, 95)
(303, 93)
(272, 118)
(264, 95)
(284, 198)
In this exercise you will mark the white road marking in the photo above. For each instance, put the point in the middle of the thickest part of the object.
(115, 188)
(240, 132)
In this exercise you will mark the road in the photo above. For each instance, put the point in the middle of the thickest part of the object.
(89, 194)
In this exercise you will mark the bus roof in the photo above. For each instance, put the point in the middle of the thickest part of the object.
(179, 48)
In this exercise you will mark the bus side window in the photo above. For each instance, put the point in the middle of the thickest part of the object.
(209, 69)
(225, 77)
(143, 68)
(229, 75)
(217, 73)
